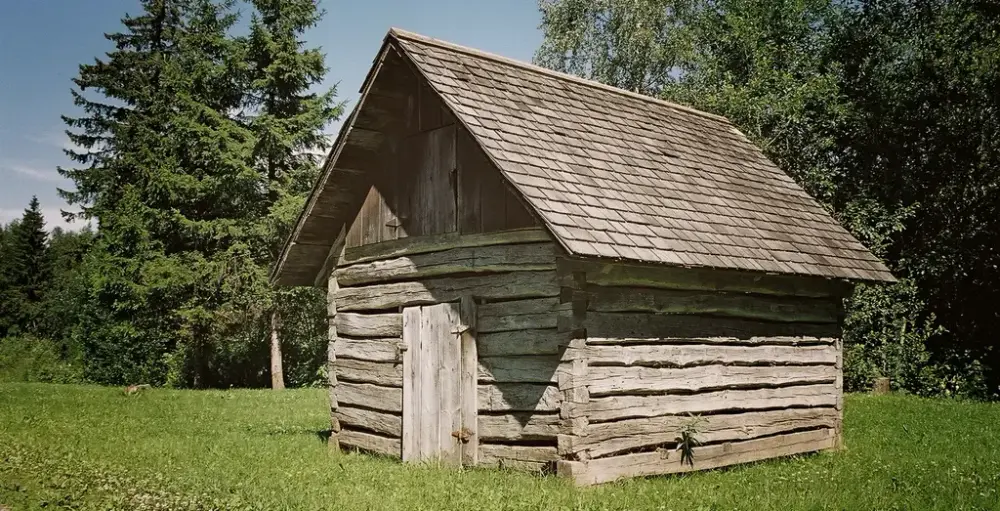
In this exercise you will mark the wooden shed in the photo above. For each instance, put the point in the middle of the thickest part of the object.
(533, 270)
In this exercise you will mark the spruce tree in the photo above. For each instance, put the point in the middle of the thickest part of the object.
(8, 295)
(29, 268)
(192, 138)
(165, 172)
(287, 123)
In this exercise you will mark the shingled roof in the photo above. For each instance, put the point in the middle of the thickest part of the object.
(619, 175)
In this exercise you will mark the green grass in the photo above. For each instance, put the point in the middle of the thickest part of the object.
(86, 447)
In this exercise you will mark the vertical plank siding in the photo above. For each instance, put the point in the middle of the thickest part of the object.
(411, 383)
(469, 380)
(429, 175)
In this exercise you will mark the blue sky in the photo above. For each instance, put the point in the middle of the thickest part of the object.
(43, 41)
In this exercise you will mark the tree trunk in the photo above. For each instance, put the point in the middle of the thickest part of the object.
(277, 373)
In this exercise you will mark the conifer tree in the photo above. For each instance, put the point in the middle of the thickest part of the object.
(27, 269)
(165, 172)
(192, 140)
(287, 123)
(32, 266)
(8, 295)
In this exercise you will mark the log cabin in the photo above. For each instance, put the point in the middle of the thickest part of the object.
(528, 269)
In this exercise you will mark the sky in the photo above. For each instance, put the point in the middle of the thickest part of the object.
(42, 43)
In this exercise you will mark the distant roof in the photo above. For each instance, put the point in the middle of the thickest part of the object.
(618, 175)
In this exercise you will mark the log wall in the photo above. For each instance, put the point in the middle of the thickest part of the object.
(511, 277)
(752, 362)
(594, 369)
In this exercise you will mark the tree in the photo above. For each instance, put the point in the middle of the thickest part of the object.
(8, 294)
(167, 178)
(287, 124)
(192, 144)
(64, 293)
(922, 81)
(885, 111)
(28, 269)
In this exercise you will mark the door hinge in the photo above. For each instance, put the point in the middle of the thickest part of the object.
(464, 435)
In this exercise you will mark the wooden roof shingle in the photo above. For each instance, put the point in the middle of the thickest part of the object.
(614, 174)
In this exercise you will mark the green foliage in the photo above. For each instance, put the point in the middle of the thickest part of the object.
(886, 334)
(924, 127)
(9, 297)
(26, 269)
(196, 144)
(688, 438)
(87, 447)
(27, 359)
(886, 111)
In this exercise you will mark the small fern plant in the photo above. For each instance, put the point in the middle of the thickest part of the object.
(688, 438)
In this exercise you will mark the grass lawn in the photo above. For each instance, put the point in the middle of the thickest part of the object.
(88, 447)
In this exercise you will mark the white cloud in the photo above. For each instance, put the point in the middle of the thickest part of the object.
(33, 172)
(55, 139)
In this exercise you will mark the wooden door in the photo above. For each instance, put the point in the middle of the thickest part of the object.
(439, 385)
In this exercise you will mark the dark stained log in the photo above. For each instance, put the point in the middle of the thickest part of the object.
(653, 326)
(527, 284)
(619, 274)
(620, 380)
(488, 259)
(713, 303)
(437, 243)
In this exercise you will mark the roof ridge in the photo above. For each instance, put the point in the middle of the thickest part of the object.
(405, 34)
